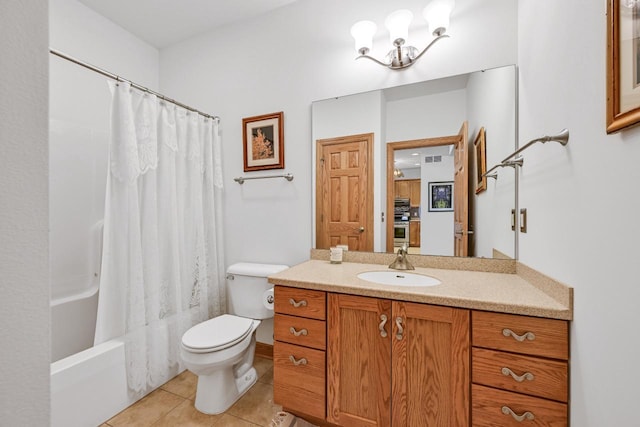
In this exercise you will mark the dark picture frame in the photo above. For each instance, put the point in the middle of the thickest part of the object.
(263, 142)
(481, 161)
(441, 196)
(623, 66)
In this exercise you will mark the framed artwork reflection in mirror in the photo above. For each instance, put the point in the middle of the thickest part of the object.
(481, 161)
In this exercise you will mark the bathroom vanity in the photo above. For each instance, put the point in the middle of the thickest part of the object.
(487, 347)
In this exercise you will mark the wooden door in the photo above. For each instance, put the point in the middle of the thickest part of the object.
(430, 370)
(344, 192)
(358, 361)
(461, 194)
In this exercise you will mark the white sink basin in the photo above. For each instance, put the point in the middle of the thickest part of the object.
(398, 278)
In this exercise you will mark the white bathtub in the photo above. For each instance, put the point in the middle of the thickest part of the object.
(89, 387)
(88, 384)
(73, 322)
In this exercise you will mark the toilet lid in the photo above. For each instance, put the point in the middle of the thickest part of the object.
(217, 333)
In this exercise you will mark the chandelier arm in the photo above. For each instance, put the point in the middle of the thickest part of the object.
(429, 46)
(374, 60)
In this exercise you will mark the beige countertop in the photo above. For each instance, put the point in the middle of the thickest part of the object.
(492, 291)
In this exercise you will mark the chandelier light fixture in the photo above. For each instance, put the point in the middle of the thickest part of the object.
(403, 55)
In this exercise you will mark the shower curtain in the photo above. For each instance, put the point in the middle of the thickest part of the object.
(162, 264)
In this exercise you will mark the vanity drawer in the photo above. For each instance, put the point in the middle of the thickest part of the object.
(497, 408)
(300, 302)
(299, 379)
(521, 334)
(538, 377)
(300, 331)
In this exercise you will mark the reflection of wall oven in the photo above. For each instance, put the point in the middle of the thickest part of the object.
(400, 233)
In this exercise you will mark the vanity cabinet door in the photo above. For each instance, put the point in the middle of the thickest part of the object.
(358, 361)
(431, 352)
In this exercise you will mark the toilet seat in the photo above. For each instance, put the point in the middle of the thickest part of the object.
(217, 334)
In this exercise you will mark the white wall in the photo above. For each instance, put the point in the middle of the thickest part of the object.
(283, 61)
(491, 103)
(429, 116)
(79, 132)
(582, 202)
(24, 254)
(436, 228)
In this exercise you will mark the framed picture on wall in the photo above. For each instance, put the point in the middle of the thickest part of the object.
(263, 138)
(481, 161)
(441, 196)
(623, 64)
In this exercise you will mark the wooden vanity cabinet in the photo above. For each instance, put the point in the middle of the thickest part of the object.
(520, 371)
(396, 363)
(299, 359)
(357, 361)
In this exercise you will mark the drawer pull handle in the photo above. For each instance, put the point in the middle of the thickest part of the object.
(302, 361)
(519, 418)
(526, 336)
(302, 332)
(297, 304)
(383, 322)
(400, 329)
(526, 376)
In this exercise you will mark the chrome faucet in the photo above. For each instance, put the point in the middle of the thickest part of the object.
(401, 262)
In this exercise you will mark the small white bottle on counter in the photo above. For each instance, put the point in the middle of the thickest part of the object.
(335, 255)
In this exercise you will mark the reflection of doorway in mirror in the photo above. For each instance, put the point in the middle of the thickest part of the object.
(423, 161)
(344, 192)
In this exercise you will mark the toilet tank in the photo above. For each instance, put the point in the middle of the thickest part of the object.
(246, 284)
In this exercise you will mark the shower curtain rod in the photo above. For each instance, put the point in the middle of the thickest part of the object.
(120, 79)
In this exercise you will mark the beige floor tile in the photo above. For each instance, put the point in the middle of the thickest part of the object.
(183, 385)
(262, 365)
(256, 405)
(267, 377)
(231, 421)
(186, 415)
(146, 411)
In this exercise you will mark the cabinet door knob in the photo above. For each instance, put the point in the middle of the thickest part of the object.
(519, 418)
(383, 322)
(520, 338)
(302, 332)
(293, 360)
(519, 378)
(297, 304)
(400, 329)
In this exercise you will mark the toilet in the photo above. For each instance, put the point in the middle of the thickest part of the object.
(220, 350)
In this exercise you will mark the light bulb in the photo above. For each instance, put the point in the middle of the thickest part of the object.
(398, 25)
(437, 14)
(363, 32)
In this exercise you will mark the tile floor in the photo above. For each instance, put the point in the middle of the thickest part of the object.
(172, 405)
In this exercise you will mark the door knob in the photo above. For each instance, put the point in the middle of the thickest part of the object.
(361, 229)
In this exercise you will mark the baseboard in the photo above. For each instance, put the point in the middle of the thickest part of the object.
(264, 350)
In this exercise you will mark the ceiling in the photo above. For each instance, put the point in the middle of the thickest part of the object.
(413, 157)
(162, 23)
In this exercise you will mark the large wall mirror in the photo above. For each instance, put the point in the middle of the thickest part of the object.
(385, 163)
